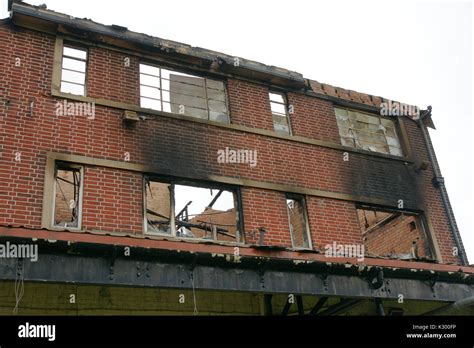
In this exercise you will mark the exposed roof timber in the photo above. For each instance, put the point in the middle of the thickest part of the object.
(33, 17)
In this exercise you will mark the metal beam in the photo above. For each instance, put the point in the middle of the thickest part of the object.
(219, 274)
(318, 305)
(299, 304)
(286, 308)
(268, 304)
(453, 307)
(379, 306)
(339, 308)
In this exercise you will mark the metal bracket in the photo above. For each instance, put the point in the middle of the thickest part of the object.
(376, 280)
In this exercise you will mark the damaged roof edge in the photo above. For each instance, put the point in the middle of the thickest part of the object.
(39, 18)
(99, 32)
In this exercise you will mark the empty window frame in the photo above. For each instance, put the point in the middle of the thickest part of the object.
(67, 206)
(298, 222)
(394, 233)
(190, 211)
(170, 91)
(368, 131)
(279, 107)
(73, 70)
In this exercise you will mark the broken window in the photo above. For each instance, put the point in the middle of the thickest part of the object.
(368, 132)
(67, 195)
(73, 70)
(179, 93)
(187, 211)
(298, 222)
(393, 233)
(278, 105)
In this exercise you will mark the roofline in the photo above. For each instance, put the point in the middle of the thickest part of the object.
(38, 18)
(41, 19)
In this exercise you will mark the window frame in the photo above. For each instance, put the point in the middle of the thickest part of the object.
(302, 200)
(57, 165)
(185, 71)
(240, 235)
(73, 45)
(397, 127)
(286, 105)
(424, 223)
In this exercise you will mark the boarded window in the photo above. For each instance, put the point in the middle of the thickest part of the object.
(279, 108)
(368, 132)
(392, 233)
(73, 70)
(298, 222)
(179, 93)
(67, 195)
(188, 211)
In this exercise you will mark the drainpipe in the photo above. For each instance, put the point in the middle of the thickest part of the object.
(438, 182)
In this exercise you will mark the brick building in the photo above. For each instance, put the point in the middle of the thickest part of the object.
(160, 178)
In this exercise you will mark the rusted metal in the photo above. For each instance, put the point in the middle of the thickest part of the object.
(86, 263)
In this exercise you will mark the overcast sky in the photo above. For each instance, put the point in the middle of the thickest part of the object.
(414, 52)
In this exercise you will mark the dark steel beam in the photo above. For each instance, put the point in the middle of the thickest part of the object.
(379, 306)
(268, 304)
(299, 304)
(164, 272)
(286, 308)
(318, 305)
(340, 308)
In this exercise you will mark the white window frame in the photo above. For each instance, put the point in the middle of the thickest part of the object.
(85, 61)
(285, 105)
(161, 101)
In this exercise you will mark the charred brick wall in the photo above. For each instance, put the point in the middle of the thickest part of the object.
(113, 198)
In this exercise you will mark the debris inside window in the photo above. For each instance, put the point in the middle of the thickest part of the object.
(298, 222)
(67, 198)
(179, 93)
(73, 70)
(207, 213)
(368, 132)
(279, 109)
(394, 234)
(158, 207)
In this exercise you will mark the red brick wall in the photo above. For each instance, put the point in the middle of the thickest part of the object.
(112, 200)
(264, 208)
(313, 118)
(186, 149)
(244, 96)
(109, 78)
(331, 221)
(397, 237)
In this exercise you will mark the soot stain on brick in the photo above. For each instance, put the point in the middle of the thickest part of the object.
(178, 147)
(384, 179)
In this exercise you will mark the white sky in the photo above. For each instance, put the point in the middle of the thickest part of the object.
(414, 52)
